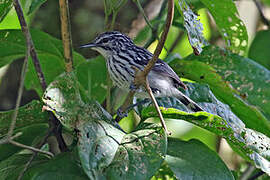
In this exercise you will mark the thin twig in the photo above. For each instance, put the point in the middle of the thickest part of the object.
(33, 53)
(141, 76)
(30, 43)
(259, 7)
(27, 166)
(44, 141)
(147, 87)
(66, 34)
(153, 29)
(30, 148)
(163, 38)
(24, 67)
(6, 140)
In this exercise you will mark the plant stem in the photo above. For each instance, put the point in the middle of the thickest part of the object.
(66, 34)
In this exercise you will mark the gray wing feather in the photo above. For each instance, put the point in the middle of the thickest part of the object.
(164, 69)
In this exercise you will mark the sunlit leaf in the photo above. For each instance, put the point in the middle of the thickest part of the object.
(230, 26)
(5, 6)
(193, 26)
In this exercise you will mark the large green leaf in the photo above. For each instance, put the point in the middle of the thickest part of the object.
(247, 77)
(203, 72)
(139, 155)
(12, 167)
(259, 48)
(5, 6)
(97, 146)
(50, 54)
(29, 135)
(253, 145)
(194, 160)
(65, 166)
(230, 26)
(92, 75)
(102, 146)
(28, 114)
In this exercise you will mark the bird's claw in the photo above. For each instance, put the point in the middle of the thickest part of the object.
(121, 113)
(133, 87)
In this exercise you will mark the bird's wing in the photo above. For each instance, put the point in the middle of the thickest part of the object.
(160, 66)
(164, 69)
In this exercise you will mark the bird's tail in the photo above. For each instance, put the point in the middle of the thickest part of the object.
(189, 103)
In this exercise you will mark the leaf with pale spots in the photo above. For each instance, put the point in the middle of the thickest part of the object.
(140, 154)
(97, 146)
(230, 26)
(248, 78)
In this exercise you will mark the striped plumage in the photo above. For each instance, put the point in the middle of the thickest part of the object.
(122, 55)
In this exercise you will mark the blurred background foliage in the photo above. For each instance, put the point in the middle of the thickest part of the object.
(88, 19)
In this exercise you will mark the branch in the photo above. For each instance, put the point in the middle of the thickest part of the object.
(66, 34)
(30, 44)
(141, 76)
(30, 51)
(30, 148)
(44, 141)
(163, 38)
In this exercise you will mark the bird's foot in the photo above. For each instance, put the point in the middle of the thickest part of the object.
(133, 87)
(121, 114)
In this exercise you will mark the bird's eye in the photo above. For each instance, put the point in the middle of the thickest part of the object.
(105, 40)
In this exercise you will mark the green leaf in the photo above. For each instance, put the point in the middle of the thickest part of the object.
(64, 166)
(230, 26)
(49, 50)
(192, 25)
(92, 75)
(197, 69)
(67, 100)
(202, 95)
(194, 160)
(252, 144)
(5, 6)
(259, 48)
(35, 4)
(12, 167)
(29, 135)
(140, 154)
(164, 172)
(28, 114)
(100, 146)
(97, 146)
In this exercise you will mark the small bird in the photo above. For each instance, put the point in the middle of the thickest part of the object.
(122, 55)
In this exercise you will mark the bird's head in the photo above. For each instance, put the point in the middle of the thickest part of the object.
(109, 43)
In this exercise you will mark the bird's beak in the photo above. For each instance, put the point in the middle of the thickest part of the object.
(89, 45)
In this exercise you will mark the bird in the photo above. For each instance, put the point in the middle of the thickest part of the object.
(122, 55)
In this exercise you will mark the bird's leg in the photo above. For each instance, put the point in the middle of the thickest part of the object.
(121, 114)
